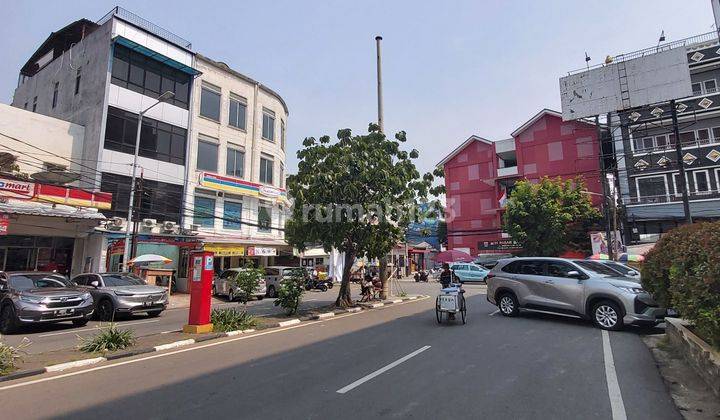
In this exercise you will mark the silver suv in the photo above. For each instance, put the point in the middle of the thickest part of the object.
(38, 298)
(579, 288)
(122, 293)
(223, 285)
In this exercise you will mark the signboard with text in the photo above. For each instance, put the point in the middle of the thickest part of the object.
(11, 188)
(499, 245)
(4, 224)
(258, 251)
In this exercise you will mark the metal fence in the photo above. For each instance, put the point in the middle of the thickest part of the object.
(145, 24)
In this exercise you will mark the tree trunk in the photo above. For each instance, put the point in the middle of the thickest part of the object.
(344, 299)
(384, 278)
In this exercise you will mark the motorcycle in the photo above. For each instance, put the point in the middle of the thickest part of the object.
(321, 285)
(421, 276)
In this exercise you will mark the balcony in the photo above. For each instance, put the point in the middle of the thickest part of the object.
(673, 198)
(508, 171)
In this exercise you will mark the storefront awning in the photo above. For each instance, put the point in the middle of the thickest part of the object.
(33, 208)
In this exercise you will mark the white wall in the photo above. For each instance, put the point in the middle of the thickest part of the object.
(51, 134)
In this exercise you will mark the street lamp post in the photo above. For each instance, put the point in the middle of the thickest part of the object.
(611, 239)
(126, 253)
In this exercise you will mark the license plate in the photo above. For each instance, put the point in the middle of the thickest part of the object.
(64, 312)
(149, 303)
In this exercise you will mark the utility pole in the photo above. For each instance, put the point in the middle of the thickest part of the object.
(681, 166)
(603, 182)
(381, 121)
(126, 253)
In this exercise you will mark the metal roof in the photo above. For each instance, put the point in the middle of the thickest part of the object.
(33, 208)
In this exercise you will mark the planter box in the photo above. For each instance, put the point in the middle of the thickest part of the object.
(703, 358)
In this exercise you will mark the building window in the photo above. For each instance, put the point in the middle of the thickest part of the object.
(266, 170)
(55, 94)
(34, 104)
(159, 200)
(676, 183)
(235, 164)
(237, 111)
(282, 135)
(697, 89)
(149, 77)
(268, 127)
(207, 157)
(652, 188)
(264, 218)
(710, 86)
(204, 214)
(282, 175)
(232, 215)
(702, 182)
(703, 136)
(158, 140)
(210, 102)
(77, 81)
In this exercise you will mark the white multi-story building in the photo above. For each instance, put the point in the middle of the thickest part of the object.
(236, 167)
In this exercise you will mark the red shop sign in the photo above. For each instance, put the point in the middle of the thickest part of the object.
(4, 224)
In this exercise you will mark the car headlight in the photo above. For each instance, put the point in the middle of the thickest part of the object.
(633, 290)
(117, 293)
(86, 296)
(31, 299)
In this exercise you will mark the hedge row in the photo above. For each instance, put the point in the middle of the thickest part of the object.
(683, 272)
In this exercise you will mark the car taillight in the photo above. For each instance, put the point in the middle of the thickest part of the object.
(490, 275)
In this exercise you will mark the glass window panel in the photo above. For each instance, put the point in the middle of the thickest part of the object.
(710, 86)
(688, 137)
(648, 143)
(264, 219)
(266, 171)
(268, 130)
(716, 133)
(120, 66)
(204, 211)
(232, 215)
(652, 187)
(696, 88)
(168, 84)
(210, 104)
(235, 164)
(661, 141)
(207, 156)
(701, 182)
(703, 135)
(182, 86)
(137, 73)
(152, 82)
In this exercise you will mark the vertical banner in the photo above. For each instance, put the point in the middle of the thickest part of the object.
(4, 224)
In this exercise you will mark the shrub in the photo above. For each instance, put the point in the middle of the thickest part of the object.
(683, 272)
(290, 293)
(247, 281)
(230, 319)
(10, 355)
(108, 339)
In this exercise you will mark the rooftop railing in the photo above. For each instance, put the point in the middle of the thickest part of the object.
(145, 24)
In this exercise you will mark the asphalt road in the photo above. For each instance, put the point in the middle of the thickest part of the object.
(64, 335)
(389, 363)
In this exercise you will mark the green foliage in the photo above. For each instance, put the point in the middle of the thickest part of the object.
(357, 195)
(10, 355)
(231, 319)
(247, 281)
(683, 272)
(291, 290)
(108, 339)
(546, 216)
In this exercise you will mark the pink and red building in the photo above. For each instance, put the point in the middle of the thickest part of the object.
(480, 175)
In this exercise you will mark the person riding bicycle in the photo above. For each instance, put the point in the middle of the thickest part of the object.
(446, 276)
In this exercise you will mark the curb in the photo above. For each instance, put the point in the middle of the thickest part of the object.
(212, 336)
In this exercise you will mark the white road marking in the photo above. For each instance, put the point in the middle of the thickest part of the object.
(96, 328)
(171, 353)
(381, 370)
(495, 313)
(616, 401)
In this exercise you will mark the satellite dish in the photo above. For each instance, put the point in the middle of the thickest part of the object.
(55, 177)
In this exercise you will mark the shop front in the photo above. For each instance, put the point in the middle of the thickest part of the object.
(43, 227)
(238, 252)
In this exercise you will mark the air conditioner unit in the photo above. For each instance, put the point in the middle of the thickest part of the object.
(116, 223)
(194, 228)
(149, 223)
(168, 226)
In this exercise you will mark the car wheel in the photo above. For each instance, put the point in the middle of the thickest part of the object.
(80, 322)
(508, 304)
(607, 315)
(8, 320)
(154, 314)
(231, 295)
(272, 293)
(105, 310)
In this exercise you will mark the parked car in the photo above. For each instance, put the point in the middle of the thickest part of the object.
(223, 285)
(276, 274)
(469, 272)
(38, 298)
(122, 293)
(622, 268)
(489, 260)
(579, 288)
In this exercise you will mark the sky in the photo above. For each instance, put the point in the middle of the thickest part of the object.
(450, 69)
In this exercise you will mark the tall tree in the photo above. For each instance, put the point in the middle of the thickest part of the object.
(544, 217)
(356, 195)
